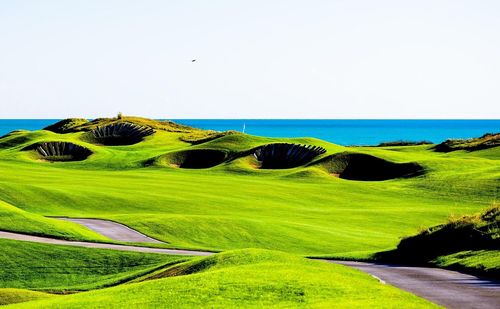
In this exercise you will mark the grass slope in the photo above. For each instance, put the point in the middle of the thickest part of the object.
(248, 278)
(468, 243)
(13, 296)
(481, 262)
(43, 267)
(233, 205)
(488, 140)
(13, 219)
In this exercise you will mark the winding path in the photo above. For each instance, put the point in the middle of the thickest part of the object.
(112, 230)
(447, 288)
(444, 287)
(47, 240)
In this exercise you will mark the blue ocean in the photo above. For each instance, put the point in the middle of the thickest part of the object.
(343, 132)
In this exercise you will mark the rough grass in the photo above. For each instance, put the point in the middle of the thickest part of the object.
(202, 136)
(67, 125)
(56, 268)
(403, 143)
(467, 243)
(248, 278)
(480, 262)
(75, 124)
(486, 141)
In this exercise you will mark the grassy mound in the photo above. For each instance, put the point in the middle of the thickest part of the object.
(14, 296)
(13, 139)
(59, 268)
(248, 278)
(480, 262)
(122, 133)
(403, 143)
(486, 141)
(202, 136)
(67, 125)
(358, 166)
(60, 151)
(195, 158)
(235, 205)
(13, 219)
(72, 125)
(454, 243)
(284, 155)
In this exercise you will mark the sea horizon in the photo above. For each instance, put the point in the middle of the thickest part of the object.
(338, 131)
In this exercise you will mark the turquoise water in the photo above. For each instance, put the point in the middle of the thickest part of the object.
(344, 132)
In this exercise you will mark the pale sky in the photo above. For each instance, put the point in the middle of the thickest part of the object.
(254, 59)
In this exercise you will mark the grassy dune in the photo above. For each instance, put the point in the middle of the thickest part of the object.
(468, 243)
(247, 278)
(54, 268)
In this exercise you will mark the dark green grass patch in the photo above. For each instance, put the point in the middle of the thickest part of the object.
(464, 242)
(57, 268)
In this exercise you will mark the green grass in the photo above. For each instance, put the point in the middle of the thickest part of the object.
(468, 243)
(302, 210)
(483, 262)
(248, 278)
(13, 296)
(16, 220)
(55, 268)
(488, 140)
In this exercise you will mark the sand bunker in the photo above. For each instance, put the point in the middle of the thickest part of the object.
(196, 158)
(123, 133)
(282, 155)
(358, 166)
(61, 151)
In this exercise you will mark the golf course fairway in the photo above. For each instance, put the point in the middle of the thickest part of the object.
(202, 190)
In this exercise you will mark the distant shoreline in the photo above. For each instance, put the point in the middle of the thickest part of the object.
(343, 132)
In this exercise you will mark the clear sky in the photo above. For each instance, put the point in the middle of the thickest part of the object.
(254, 59)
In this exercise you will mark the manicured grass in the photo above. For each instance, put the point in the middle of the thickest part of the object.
(234, 205)
(16, 220)
(55, 268)
(248, 278)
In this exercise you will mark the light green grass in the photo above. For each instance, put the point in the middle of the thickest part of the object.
(248, 279)
(13, 296)
(16, 220)
(56, 268)
(302, 210)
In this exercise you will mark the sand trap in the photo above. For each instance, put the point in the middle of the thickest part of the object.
(283, 155)
(60, 151)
